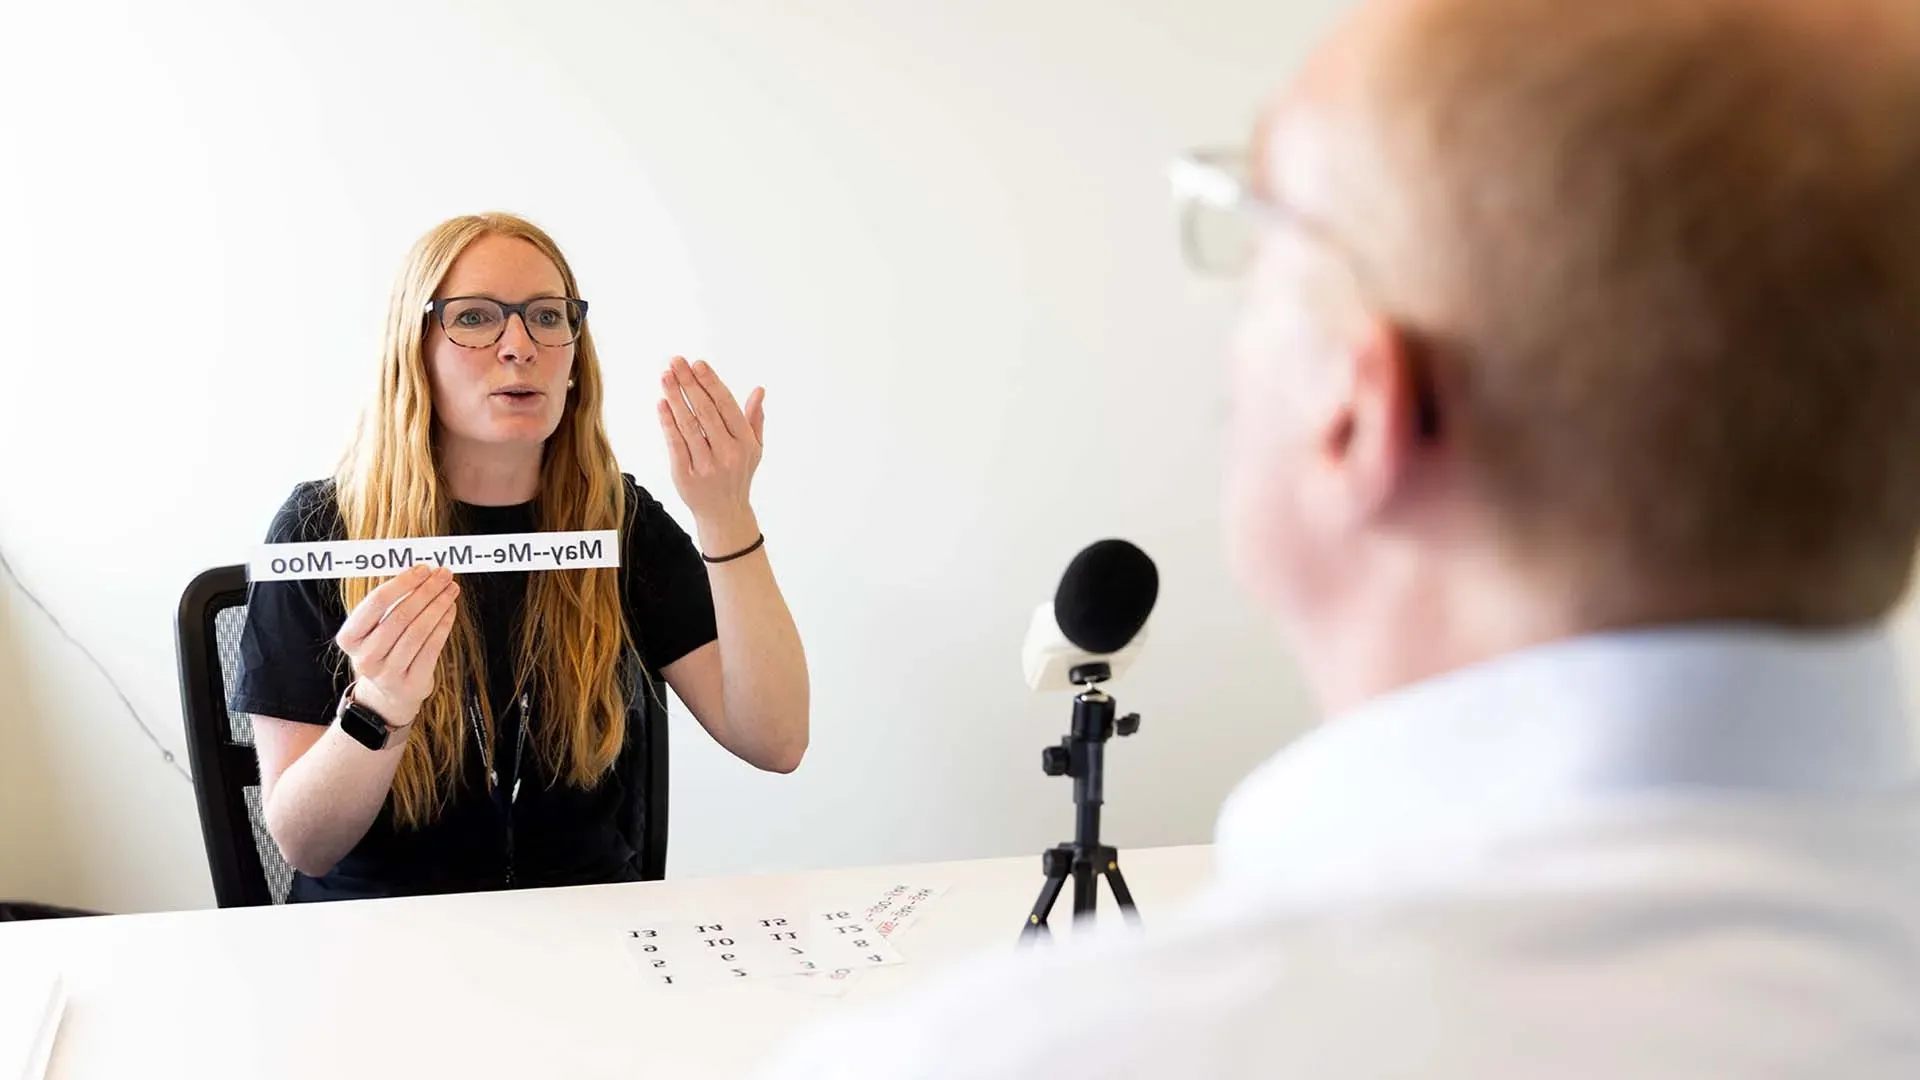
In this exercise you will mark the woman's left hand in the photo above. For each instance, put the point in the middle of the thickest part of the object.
(714, 445)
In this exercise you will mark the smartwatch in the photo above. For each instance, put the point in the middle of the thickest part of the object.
(367, 727)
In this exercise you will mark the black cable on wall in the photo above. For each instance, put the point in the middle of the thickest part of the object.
(166, 754)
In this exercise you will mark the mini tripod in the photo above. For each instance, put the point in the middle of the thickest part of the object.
(1082, 755)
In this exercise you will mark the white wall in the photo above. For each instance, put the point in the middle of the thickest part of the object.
(32, 833)
(938, 232)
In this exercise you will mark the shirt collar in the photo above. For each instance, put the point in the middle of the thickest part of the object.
(1421, 780)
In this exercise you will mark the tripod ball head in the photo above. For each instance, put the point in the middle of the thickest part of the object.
(1090, 674)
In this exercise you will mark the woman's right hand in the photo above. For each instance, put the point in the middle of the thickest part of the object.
(393, 639)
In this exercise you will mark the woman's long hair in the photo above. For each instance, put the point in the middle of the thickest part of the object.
(573, 632)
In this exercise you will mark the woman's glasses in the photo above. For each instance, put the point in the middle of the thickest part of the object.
(476, 322)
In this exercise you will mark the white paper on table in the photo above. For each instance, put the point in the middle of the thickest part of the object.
(901, 907)
(31, 1007)
(734, 947)
(892, 914)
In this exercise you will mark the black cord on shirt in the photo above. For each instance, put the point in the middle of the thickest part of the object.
(166, 755)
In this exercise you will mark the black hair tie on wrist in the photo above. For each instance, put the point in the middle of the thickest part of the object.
(741, 554)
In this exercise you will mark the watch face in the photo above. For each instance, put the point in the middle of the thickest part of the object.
(366, 728)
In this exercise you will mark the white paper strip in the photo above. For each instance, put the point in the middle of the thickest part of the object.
(479, 553)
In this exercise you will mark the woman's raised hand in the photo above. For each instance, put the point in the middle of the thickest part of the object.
(714, 445)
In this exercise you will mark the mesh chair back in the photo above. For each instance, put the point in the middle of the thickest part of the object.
(245, 862)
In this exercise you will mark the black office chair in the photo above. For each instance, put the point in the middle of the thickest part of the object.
(244, 861)
(33, 910)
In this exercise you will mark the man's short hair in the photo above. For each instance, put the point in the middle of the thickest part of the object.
(1681, 253)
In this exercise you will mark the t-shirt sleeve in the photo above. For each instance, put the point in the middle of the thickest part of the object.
(288, 665)
(667, 587)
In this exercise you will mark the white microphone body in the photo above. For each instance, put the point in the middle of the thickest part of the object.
(1047, 656)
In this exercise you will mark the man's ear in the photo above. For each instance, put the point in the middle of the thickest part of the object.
(1421, 356)
(1390, 415)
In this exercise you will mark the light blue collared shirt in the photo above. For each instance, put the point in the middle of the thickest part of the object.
(1425, 782)
(1681, 852)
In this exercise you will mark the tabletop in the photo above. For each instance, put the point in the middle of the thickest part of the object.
(536, 982)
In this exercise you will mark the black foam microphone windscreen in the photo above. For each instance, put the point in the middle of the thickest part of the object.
(1106, 595)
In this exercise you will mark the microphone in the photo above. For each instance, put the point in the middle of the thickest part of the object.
(1090, 632)
(1098, 614)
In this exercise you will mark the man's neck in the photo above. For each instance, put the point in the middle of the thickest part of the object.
(490, 475)
(1415, 632)
(1407, 620)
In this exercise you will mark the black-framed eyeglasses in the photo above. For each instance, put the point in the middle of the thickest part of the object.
(476, 322)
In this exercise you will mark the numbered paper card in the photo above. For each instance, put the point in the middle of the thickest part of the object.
(896, 910)
(694, 952)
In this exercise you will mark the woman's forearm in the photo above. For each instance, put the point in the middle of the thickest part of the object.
(763, 666)
(320, 794)
(321, 804)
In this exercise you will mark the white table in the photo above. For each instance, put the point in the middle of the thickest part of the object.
(530, 983)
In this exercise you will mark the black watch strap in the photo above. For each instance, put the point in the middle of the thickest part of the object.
(367, 727)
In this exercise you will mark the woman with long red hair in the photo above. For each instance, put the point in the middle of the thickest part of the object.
(420, 734)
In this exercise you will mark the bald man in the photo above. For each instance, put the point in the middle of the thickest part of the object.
(1578, 449)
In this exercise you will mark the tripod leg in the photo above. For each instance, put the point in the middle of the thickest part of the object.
(1049, 892)
(1120, 893)
(1086, 880)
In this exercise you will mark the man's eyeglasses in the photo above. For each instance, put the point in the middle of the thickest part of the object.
(476, 322)
(1222, 217)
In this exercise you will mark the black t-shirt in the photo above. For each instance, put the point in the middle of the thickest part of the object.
(290, 668)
